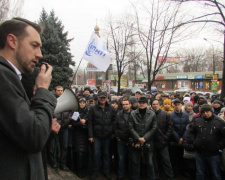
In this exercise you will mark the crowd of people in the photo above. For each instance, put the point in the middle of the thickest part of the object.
(145, 135)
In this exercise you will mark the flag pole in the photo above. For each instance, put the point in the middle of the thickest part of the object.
(75, 73)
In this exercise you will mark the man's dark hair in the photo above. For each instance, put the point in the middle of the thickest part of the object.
(15, 26)
(127, 100)
(58, 87)
(153, 101)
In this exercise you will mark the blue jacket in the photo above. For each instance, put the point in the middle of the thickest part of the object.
(180, 121)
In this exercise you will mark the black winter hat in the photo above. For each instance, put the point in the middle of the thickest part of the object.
(115, 101)
(218, 101)
(176, 101)
(87, 89)
(137, 92)
(143, 99)
(202, 102)
(90, 98)
(133, 99)
(206, 107)
(201, 97)
(102, 94)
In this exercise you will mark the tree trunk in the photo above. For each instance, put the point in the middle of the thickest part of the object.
(223, 73)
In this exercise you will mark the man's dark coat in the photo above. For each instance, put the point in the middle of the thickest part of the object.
(24, 127)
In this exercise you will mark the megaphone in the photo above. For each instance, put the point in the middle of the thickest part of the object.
(66, 102)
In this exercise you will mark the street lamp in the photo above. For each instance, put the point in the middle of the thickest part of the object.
(213, 60)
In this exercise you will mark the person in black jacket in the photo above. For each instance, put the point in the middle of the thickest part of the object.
(134, 102)
(116, 105)
(196, 106)
(28, 81)
(161, 140)
(25, 126)
(217, 106)
(59, 142)
(80, 138)
(207, 137)
(113, 143)
(142, 126)
(122, 134)
(100, 124)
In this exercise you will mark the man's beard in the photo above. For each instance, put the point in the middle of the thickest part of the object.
(22, 62)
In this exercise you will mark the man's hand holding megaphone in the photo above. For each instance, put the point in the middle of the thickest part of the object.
(55, 126)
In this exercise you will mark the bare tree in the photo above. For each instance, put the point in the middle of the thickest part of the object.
(198, 60)
(218, 58)
(4, 8)
(214, 12)
(158, 34)
(194, 60)
(120, 36)
(173, 69)
(136, 61)
(10, 8)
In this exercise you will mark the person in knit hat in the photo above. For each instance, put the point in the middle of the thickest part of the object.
(200, 102)
(116, 105)
(134, 102)
(167, 106)
(217, 106)
(185, 100)
(207, 137)
(199, 108)
(188, 108)
(206, 107)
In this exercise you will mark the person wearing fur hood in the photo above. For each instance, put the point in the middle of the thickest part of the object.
(188, 108)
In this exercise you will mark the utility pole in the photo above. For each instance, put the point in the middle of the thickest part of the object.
(222, 95)
(213, 59)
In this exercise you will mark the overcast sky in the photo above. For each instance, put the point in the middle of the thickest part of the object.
(79, 18)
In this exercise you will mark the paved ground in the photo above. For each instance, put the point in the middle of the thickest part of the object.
(68, 175)
(61, 175)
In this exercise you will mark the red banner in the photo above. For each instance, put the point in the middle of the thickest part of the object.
(169, 59)
(159, 77)
(91, 81)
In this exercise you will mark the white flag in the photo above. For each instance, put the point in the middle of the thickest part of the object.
(97, 54)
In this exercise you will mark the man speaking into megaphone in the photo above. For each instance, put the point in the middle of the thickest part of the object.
(24, 126)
